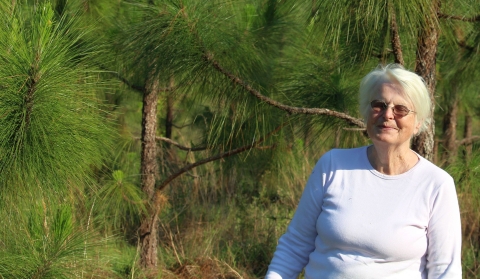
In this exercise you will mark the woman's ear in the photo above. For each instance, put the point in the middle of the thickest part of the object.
(418, 124)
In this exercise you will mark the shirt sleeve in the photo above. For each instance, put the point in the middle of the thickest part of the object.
(295, 246)
(444, 235)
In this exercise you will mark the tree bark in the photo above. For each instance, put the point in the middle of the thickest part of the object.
(450, 132)
(149, 223)
(169, 116)
(435, 152)
(395, 37)
(425, 65)
(467, 133)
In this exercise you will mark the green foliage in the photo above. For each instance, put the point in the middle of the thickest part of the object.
(50, 246)
(53, 134)
(194, 35)
(367, 23)
(51, 130)
(120, 203)
(466, 175)
(64, 192)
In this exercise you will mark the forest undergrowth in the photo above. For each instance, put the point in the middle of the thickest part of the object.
(242, 230)
(221, 222)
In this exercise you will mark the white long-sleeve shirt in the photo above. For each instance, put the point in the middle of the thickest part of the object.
(354, 222)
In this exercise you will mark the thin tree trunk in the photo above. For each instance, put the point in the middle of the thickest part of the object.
(395, 37)
(467, 133)
(149, 223)
(450, 132)
(170, 158)
(425, 67)
(169, 117)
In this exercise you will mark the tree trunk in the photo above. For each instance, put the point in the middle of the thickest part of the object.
(169, 116)
(467, 133)
(425, 67)
(395, 37)
(450, 132)
(435, 152)
(168, 153)
(149, 223)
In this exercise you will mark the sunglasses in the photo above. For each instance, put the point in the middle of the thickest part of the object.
(398, 110)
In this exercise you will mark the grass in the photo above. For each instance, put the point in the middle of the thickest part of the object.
(241, 227)
(222, 222)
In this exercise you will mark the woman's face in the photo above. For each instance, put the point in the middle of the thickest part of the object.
(385, 127)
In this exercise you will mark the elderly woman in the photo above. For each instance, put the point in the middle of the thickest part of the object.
(378, 211)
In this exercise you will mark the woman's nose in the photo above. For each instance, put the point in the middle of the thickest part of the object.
(388, 112)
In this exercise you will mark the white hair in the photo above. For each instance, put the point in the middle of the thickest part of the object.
(413, 87)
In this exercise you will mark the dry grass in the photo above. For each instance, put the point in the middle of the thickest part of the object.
(206, 268)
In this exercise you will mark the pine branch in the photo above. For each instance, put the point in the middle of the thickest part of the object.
(31, 86)
(208, 57)
(469, 140)
(139, 89)
(186, 168)
(134, 87)
(292, 110)
(167, 140)
(464, 141)
(31, 89)
(462, 18)
(202, 148)
(265, 147)
(181, 127)
(464, 45)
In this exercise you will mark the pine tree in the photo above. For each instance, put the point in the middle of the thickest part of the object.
(53, 135)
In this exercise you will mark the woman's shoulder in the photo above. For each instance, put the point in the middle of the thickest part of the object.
(346, 152)
(344, 158)
(433, 171)
(434, 179)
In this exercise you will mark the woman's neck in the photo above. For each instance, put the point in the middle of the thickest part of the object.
(391, 160)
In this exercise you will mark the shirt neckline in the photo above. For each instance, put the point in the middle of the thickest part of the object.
(386, 176)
